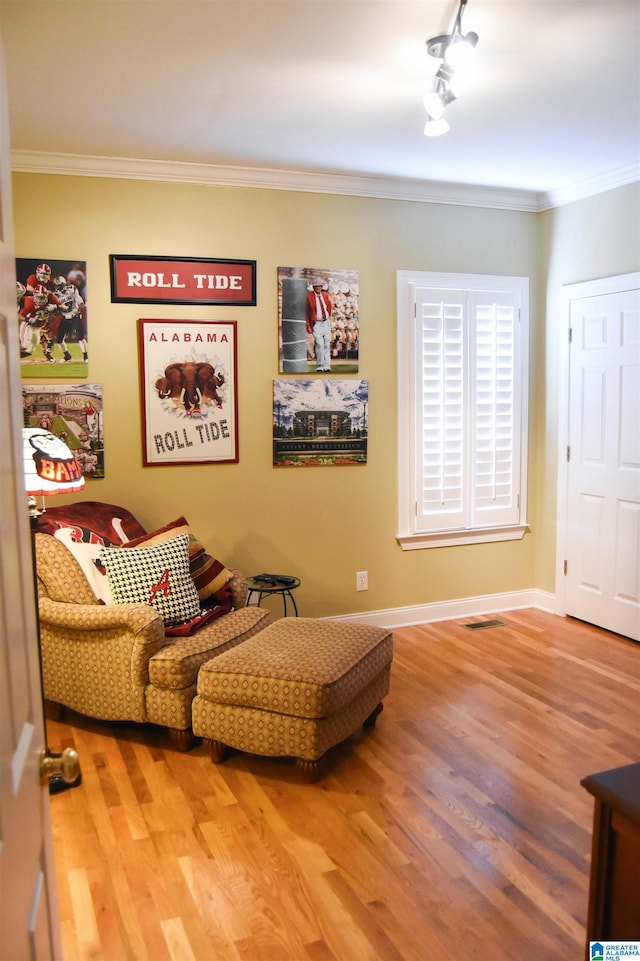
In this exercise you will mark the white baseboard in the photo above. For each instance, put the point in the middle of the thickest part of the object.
(451, 610)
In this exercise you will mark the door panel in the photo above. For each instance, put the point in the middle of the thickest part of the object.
(28, 922)
(603, 482)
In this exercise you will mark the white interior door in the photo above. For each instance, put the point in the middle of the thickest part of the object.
(28, 919)
(602, 583)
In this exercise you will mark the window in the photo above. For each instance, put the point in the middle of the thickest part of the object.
(463, 395)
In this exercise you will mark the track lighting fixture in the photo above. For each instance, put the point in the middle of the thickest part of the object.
(456, 50)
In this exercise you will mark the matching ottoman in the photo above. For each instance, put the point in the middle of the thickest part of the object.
(296, 689)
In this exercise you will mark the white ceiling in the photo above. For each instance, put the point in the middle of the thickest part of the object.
(324, 89)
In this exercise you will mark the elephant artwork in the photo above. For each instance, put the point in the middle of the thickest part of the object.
(190, 386)
(189, 391)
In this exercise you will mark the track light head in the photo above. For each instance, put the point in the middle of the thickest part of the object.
(456, 52)
(435, 128)
(460, 50)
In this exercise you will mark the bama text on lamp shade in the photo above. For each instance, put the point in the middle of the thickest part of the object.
(49, 465)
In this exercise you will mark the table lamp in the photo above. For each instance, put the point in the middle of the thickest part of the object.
(49, 468)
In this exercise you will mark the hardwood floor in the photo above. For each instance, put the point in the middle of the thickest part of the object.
(456, 829)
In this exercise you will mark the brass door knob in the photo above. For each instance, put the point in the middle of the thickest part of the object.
(65, 765)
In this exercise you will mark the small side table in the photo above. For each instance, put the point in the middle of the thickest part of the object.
(614, 896)
(261, 588)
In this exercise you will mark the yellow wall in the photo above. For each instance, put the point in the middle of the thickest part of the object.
(592, 238)
(323, 524)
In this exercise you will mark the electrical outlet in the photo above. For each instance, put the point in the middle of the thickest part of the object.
(362, 580)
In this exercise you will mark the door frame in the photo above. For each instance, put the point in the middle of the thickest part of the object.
(569, 293)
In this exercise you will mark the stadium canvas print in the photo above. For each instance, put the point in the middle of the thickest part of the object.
(72, 412)
(320, 423)
(52, 317)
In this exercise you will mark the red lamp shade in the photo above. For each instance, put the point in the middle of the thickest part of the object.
(49, 465)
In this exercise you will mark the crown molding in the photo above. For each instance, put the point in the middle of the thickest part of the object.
(582, 189)
(26, 161)
(383, 188)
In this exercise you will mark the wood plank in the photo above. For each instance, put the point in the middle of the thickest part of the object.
(455, 828)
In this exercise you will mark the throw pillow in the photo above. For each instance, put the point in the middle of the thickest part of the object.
(158, 575)
(87, 557)
(210, 576)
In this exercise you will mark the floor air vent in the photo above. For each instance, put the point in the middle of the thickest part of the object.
(482, 625)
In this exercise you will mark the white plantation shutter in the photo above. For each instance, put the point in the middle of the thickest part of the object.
(441, 431)
(495, 411)
(468, 386)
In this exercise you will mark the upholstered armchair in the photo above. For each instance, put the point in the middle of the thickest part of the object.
(120, 661)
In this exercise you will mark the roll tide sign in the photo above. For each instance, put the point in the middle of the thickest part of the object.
(179, 280)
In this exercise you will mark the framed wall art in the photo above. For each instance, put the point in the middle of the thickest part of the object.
(189, 391)
(320, 423)
(181, 280)
(318, 320)
(74, 413)
(52, 317)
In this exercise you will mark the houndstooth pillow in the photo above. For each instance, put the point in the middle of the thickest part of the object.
(209, 574)
(157, 575)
